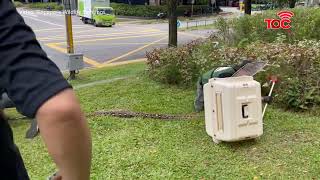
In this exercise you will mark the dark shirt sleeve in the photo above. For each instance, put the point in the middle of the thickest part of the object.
(26, 73)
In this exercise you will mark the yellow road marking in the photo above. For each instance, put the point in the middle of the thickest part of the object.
(132, 61)
(63, 50)
(131, 43)
(124, 62)
(113, 38)
(57, 48)
(93, 35)
(91, 62)
(49, 29)
(53, 29)
(88, 30)
(134, 51)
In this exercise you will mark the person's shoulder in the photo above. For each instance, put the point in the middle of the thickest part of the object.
(5, 6)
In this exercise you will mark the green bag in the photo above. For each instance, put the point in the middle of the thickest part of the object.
(221, 72)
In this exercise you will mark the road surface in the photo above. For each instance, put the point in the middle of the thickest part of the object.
(126, 41)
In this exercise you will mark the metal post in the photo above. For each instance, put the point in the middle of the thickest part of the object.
(192, 10)
(192, 3)
(70, 45)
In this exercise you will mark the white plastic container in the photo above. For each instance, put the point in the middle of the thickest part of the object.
(233, 108)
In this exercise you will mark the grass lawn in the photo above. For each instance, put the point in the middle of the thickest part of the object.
(154, 149)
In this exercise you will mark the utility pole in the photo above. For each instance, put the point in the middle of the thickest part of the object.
(247, 7)
(70, 45)
(173, 29)
(192, 2)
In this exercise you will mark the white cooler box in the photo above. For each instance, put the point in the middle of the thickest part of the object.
(233, 108)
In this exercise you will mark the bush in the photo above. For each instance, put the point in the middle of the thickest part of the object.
(173, 65)
(305, 25)
(46, 6)
(137, 10)
(297, 65)
(18, 4)
(152, 11)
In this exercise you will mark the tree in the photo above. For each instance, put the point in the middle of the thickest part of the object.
(172, 14)
(247, 7)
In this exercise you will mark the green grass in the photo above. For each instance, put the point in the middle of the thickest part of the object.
(89, 75)
(18, 4)
(153, 149)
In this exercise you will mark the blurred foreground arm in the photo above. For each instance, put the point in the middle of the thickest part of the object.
(65, 132)
(36, 86)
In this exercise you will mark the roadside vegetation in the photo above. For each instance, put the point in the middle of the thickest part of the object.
(180, 149)
(152, 11)
(45, 6)
(128, 10)
(293, 55)
(18, 3)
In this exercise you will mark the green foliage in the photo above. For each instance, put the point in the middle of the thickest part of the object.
(305, 25)
(150, 11)
(153, 149)
(17, 3)
(174, 65)
(297, 65)
(46, 6)
(137, 10)
(202, 2)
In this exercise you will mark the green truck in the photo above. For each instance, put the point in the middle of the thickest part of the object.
(96, 12)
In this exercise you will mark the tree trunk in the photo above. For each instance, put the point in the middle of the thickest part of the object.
(173, 30)
(292, 3)
(247, 7)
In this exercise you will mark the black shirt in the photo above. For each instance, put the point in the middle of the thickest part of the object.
(29, 78)
(26, 73)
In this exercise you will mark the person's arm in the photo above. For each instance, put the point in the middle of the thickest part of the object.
(64, 130)
(37, 88)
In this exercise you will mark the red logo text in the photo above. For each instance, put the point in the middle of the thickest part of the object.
(282, 23)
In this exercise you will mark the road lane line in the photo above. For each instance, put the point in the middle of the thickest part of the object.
(50, 29)
(143, 43)
(91, 62)
(63, 50)
(113, 38)
(134, 51)
(43, 21)
(92, 35)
